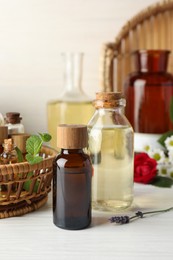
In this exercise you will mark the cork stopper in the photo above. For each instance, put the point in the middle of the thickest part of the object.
(8, 145)
(109, 99)
(13, 117)
(3, 133)
(19, 140)
(72, 136)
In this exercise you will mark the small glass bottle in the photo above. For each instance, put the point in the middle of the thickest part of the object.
(73, 105)
(9, 154)
(111, 151)
(72, 172)
(13, 122)
(3, 135)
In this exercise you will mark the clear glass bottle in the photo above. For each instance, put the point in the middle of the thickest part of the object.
(111, 151)
(72, 172)
(13, 122)
(73, 106)
(148, 91)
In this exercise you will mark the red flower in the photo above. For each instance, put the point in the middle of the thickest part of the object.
(144, 168)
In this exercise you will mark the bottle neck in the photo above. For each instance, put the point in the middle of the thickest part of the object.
(118, 110)
(110, 104)
(73, 63)
(151, 60)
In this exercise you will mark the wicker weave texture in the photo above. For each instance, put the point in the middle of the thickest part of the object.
(24, 187)
(149, 29)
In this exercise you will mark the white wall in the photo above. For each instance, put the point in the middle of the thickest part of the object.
(33, 33)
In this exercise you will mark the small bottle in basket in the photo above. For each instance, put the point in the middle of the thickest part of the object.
(9, 154)
(72, 172)
(13, 122)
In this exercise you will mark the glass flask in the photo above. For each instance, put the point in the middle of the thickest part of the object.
(148, 92)
(111, 151)
(73, 106)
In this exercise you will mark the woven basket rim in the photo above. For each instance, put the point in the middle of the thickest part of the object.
(140, 17)
(25, 166)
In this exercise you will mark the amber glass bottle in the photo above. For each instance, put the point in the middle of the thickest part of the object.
(72, 171)
(148, 92)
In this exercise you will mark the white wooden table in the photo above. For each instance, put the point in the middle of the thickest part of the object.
(34, 236)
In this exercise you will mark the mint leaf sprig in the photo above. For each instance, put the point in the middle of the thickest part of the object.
(33, 147)
(138, 214)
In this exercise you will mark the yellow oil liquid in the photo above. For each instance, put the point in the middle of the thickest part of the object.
(59, 112)
(112, 183)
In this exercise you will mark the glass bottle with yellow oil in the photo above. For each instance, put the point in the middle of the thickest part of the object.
(111, 151)
(73, 106)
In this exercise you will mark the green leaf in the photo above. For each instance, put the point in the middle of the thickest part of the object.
(27, 184)
(162, 139)
(163, 182)
(33, 145)
(171, 109)
(19, 154)
(45, 137)
(33, 159)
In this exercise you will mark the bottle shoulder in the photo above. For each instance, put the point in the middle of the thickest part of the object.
(72, 160)
(15, 128)
(149, 77)
(108, 118)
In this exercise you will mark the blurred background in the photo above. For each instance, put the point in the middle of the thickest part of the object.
(34, 33)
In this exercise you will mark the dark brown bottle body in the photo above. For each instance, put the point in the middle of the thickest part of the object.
(148, 93)
(72, 172)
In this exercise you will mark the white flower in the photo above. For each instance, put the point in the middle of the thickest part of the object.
(170, 171)
(162, 169)
(170, 156)
(169, 143)
(158, 155)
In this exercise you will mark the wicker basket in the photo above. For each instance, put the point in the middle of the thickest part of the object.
(25, 187)
(151, 28)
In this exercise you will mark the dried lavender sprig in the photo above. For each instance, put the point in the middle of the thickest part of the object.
(138, 214)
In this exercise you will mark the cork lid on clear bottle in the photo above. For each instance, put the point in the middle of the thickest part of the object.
(13, 118)
(72, 136)
(109, 100)
(3, 133)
